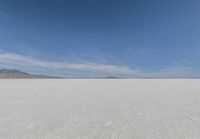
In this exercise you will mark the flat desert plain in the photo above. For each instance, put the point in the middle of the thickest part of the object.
(100, 109)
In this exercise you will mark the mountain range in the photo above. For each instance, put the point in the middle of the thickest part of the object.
(17, 74)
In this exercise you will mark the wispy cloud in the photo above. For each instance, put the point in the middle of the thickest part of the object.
(87, 67)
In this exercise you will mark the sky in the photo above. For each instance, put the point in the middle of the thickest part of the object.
(98, 38)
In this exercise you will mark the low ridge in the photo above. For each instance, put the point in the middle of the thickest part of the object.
(17, 74)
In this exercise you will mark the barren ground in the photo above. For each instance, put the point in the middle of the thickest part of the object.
(100, 109)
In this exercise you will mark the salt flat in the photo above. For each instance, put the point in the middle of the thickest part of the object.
(100, 109)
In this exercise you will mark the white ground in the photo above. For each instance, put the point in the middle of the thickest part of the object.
(100, 109)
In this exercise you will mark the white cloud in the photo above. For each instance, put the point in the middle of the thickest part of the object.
(104, 69)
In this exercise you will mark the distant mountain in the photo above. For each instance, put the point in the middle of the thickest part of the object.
(17, 74)
(111, 77)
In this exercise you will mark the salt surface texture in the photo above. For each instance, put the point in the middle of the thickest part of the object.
(100, 109)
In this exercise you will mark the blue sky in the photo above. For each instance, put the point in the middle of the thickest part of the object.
(95, 38)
